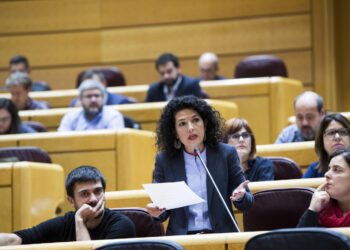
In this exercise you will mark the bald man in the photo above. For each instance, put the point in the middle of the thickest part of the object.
(209, 67)
(309, 112)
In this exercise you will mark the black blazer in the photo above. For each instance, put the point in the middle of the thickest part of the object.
(188, 86)
(223, 164)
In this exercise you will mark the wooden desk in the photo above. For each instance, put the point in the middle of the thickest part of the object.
(223, 241)
(266, 102)
(139, 198)
(147, 114)
(30, 192)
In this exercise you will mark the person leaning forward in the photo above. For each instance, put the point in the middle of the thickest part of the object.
(85, 188)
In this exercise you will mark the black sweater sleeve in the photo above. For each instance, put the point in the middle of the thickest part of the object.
(308, 219)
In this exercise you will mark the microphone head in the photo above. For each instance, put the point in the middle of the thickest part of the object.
(196, 151)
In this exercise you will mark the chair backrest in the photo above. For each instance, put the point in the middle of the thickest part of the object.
(113, 76)
(36, 125)
(285, 168)
(145, 225)
(40, 86)
(142, 245)
(299, 239)
(131, 123)
(26, 154)
(277, 208)
(260, 65)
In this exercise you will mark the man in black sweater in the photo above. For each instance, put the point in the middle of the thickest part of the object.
(85, 188)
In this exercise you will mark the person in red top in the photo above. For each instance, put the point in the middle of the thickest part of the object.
(330, 204)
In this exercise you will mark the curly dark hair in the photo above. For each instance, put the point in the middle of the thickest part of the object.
(166, 133)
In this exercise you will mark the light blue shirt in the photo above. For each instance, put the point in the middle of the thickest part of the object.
(108, 118)
(196, 176)
(290, 134)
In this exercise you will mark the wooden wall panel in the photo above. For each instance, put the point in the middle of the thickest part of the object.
(298, 63)
(66, 15)
(240, 36)
(6, 210)
(52, 49)
(38, 16)
(342, 41)
(61, 38)
(139, 12)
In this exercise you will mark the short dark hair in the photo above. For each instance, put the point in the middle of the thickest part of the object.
(12, 109)
(236, 124)
(166, 132)
(83, 174)
(19, 59)
(345, 152)
(90, 73)
(167, 57)
(319, 142)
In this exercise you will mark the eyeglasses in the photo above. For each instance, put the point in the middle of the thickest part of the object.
(330, 134)
(97, 96)
(236, 136)
(5, 119)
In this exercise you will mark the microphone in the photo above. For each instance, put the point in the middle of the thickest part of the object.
(197, 153)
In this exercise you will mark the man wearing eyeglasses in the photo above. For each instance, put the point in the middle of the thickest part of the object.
(94, 115)
(309, 112)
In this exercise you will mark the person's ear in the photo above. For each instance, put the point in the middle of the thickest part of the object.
(323, 112)
(70, 200)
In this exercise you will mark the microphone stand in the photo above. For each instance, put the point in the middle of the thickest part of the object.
(197, 153)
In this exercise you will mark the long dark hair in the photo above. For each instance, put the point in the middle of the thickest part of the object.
(166, 133)
(12, 109)
(323, 156)
(344, 152)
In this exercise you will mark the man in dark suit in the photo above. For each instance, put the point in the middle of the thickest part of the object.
(172, 82)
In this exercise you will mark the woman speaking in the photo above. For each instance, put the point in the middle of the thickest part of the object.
(188, 123)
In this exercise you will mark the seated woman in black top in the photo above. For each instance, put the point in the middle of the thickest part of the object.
(330, 204)
(239, 134)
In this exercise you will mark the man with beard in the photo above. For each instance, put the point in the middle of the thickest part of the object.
(172, 83)
(94, 115)
(309, 112)
(85, 188)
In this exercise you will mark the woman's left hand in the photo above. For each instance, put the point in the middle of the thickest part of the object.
(240, 191)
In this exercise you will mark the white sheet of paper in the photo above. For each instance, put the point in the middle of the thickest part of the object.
(171, 195)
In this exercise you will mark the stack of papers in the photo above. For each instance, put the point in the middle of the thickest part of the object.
(171, 195)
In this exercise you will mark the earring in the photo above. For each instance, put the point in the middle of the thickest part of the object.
(177, 144)
(205, 137)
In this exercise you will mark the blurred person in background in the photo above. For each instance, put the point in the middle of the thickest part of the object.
(238, 133)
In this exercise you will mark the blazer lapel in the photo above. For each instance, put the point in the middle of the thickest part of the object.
(211, 161)
(177, 166)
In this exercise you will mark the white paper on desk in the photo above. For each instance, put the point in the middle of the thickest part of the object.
(171, 195)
